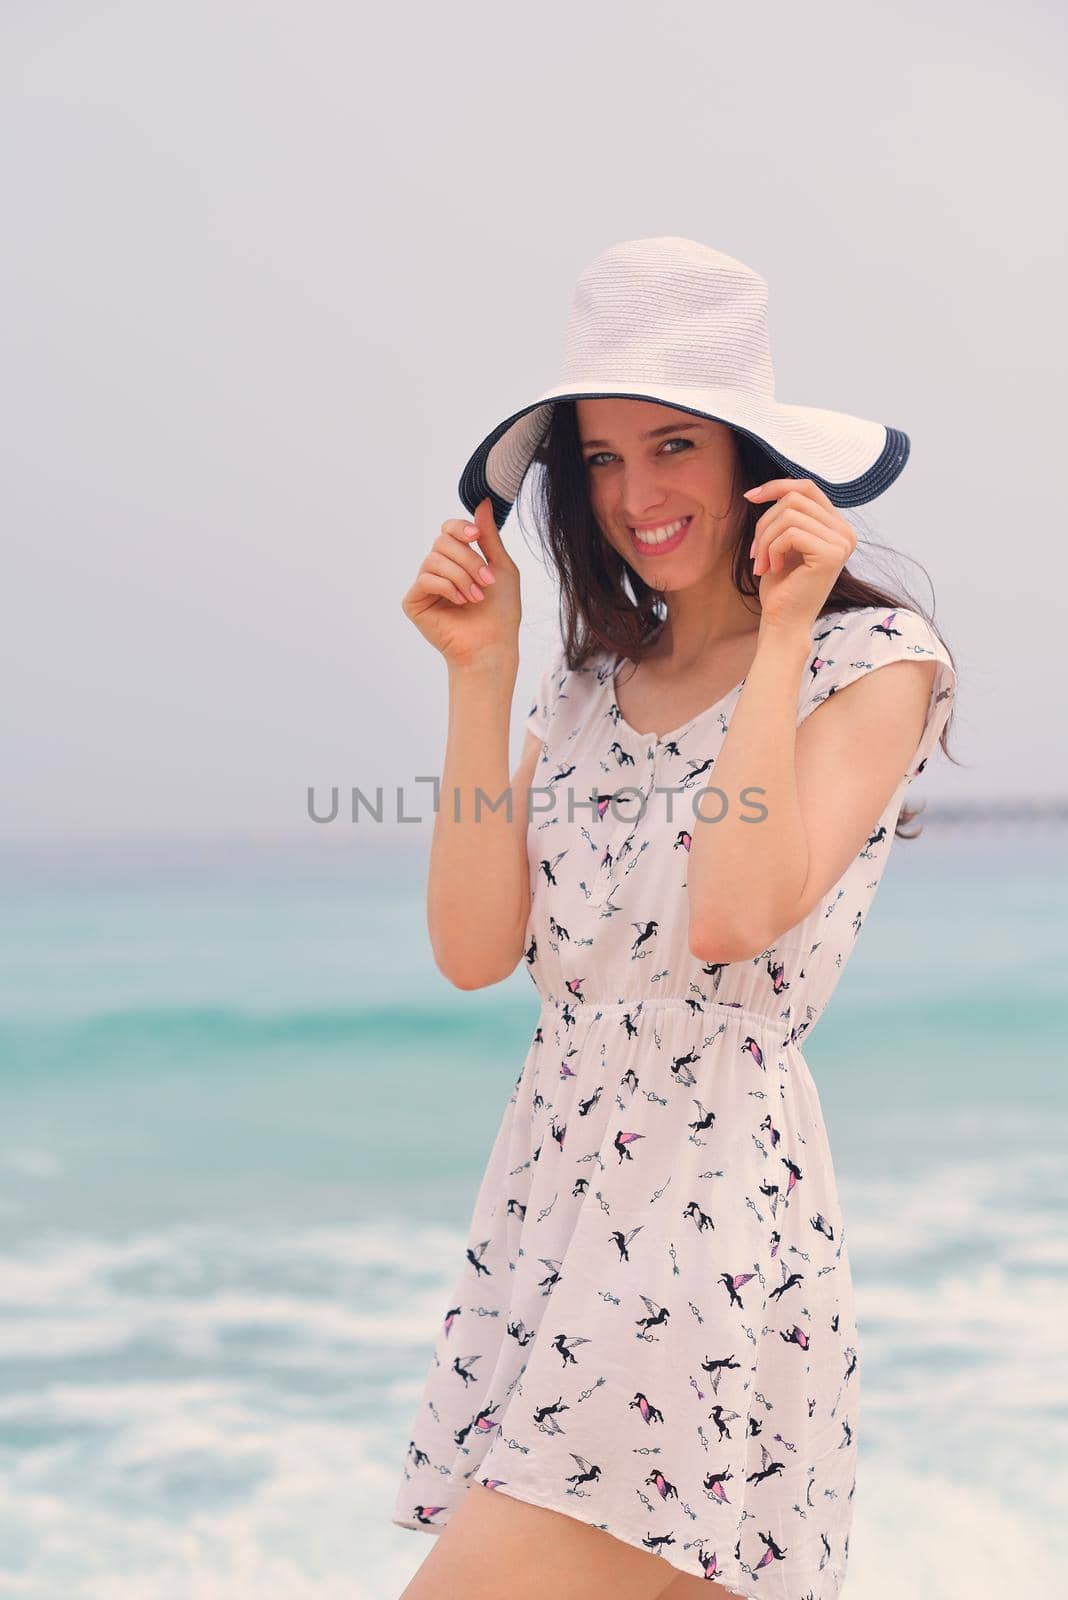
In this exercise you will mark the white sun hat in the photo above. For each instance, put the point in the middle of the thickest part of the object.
(673, 320)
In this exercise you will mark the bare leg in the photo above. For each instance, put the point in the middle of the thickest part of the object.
(496, 1547)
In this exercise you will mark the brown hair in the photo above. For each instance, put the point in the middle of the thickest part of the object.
(606, 605)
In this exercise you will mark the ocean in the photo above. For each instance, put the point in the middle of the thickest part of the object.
(242, 1124)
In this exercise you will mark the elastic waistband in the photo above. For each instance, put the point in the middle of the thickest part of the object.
(590, 1010)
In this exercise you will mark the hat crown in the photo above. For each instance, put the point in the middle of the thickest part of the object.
(669, 311)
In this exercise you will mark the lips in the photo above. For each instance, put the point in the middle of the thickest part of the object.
(663, 549)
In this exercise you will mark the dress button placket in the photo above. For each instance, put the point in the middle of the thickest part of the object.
(604, 877)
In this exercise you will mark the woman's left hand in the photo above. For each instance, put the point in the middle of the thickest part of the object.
(800, 545)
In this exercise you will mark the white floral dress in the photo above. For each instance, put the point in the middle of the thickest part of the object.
(652, 1325)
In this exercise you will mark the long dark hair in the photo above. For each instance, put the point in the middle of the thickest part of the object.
(606, 605)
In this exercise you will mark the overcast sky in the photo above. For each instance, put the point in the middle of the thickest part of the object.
(270, 272)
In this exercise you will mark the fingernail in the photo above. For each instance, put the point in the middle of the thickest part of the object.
(476, 592)
(486, 575)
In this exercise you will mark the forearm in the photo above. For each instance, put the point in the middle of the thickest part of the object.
(478, 885)
(748, 869)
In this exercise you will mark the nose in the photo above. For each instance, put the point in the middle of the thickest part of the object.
(641, 496)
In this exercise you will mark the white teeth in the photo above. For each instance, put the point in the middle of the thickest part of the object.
(661, 534)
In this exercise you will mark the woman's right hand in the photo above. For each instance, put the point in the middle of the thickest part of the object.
(441, 604)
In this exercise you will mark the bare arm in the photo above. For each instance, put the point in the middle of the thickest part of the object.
(825, 786)
(465, 601)
(478, 888)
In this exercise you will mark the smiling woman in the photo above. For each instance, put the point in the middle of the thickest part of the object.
(647, 1371)
(691, 626)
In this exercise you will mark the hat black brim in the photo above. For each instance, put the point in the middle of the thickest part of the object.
(473, 485)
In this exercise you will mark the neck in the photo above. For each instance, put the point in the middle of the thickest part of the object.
(702, 617)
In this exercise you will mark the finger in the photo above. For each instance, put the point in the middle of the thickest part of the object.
(777, 487)
(465, 555)
(807, 542)
(794, 504)
(773, 533)
(429, 583)
(460, 528)
(457, 536)
(455, 571)
(490, 547)
(790, 517)
(488, 533)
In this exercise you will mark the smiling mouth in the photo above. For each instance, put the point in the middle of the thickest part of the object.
(661, 540)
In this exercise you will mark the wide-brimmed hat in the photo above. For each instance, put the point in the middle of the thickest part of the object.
(672, 320)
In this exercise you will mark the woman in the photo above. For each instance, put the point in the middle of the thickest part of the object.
(647, 1378)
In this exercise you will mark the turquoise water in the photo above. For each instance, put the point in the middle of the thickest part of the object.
(242, 1124)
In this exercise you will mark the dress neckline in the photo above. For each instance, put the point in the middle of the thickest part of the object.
(674, 733)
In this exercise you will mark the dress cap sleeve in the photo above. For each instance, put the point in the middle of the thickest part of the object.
(548, 687)
(849, 644)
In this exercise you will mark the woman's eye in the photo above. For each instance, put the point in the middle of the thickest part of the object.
(591, 461)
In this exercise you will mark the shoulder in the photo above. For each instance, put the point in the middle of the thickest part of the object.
(563, 690)
(594, 670)
(848, 645)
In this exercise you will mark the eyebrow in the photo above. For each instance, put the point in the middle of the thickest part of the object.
(654, 433)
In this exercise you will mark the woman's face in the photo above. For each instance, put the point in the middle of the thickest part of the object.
(649, 466)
